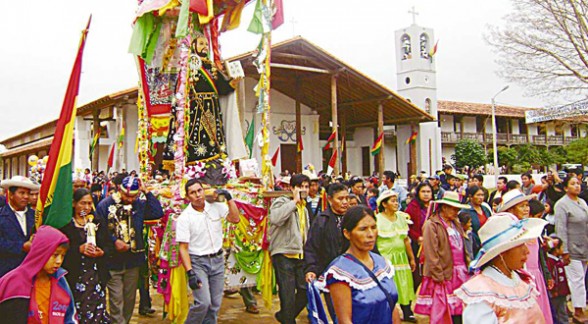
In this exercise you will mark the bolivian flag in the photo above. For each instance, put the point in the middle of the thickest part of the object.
(56, 195)
(412, 138)
(377, 145)
(300, 146)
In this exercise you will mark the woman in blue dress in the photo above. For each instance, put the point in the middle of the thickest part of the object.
(357, 297)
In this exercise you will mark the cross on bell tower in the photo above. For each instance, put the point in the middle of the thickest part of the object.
(414, 13)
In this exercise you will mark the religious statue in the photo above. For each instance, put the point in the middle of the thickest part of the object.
(405, 47)
(205, 134)
(91, 229)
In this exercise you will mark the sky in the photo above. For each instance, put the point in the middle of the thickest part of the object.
(38, 54)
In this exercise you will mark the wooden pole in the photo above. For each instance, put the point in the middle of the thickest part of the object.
(381, 161)
(334, 118)
(344, 141)
(298, 131)
(241, 100)
(96, 129)
(413, 156)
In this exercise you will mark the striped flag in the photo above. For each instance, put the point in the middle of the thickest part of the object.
(412, 138)
(94, 143)
(56, 194)
(377, 145)
(275, 157)
(300, 146)
(332, 162)
(111, 157)
(434, 49)
(330, 140)
(121, 136)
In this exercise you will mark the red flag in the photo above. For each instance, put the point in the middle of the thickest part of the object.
(54, 205)
(377, 145)
(278, 19)
(330, 140)
(275, 157)
(332, 162)
(111, 156)
(300, 146)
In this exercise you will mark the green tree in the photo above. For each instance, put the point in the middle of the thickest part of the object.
(506, 156)
(469, 152)
(578, 151)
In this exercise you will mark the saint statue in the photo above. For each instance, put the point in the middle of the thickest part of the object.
(205, 134)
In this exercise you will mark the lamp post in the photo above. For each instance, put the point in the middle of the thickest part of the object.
(494, 148)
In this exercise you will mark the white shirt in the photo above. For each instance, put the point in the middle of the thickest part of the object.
(203, 231)
(21, 217)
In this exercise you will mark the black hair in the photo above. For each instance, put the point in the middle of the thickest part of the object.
(12, 189)
(512, 184)
(559, 243)
(390, 175)
(353, 216)
(374, 191)
(528, 175)
(353, 196)
(505, 179)
(418, 189)
(479, 177)
(334, 188)
(380, 207)
(550, 203)
(80, 193)
(567, 180)
(464, 217)
(118, 179)
(447, 166)
(192, 182)
(471, 191)
(298, 179)
(354, 180)
(536, 207)
(96, 187)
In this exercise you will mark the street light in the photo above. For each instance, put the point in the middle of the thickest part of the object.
(494, 148)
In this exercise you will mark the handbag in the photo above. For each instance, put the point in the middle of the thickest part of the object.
(375, 279)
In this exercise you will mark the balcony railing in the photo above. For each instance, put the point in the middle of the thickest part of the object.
(508, 139)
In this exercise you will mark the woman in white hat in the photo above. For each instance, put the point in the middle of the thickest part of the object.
(394, 245)
(503, 292)
(517, 203)
(445, 264)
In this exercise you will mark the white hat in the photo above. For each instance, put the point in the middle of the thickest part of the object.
(311, 175)
(502, 232)
(21, 182)
(385, 195)
(513, 198)
(451, 198)
(285, 180)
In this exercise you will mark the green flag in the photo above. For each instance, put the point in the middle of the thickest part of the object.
(250, 136)
(256, 25)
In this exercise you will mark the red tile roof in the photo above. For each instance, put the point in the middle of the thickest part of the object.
(470, 108)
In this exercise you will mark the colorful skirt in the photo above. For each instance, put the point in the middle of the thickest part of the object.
(438, 299)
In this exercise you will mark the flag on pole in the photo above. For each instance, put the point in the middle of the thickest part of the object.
(377, 145)
(250, 136)
(412, 138)
(434, 50)
(111, 156)
(332, 162)
(275, 157)
(56, 194)
(94, 143)
(330, 140)
(300, 146)
(121, 136)
(278, 10)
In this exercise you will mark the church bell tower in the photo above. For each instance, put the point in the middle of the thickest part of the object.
(417, 82)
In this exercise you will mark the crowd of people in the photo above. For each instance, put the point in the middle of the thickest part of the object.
(442, 246)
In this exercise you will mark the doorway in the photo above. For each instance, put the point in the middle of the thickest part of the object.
(288, 157)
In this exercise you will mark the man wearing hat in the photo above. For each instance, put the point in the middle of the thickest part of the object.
(16, 222)
(435, 182)
(124, 212)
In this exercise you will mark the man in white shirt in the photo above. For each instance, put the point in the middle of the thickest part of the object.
(200, 233)
(16, 223)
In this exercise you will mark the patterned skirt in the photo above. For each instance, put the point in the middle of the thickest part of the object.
(90, 295)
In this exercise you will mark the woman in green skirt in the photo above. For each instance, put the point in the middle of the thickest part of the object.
(394, 244)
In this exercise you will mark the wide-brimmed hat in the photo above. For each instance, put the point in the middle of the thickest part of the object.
(21, 182)
(502, 232)
(285, 180)
(311, 175)
(513, 198)
(451, 198)
(385, 195)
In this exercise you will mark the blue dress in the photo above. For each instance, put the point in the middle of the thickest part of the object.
(369, 303)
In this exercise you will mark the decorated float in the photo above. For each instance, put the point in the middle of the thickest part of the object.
(190, 127)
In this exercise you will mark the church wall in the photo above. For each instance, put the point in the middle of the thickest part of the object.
(448, 151)
(469, 124)
(446, 123)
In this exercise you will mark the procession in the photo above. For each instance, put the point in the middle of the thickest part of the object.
(283, 184)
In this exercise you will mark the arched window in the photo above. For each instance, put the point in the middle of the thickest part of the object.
(428, 105)
(424, 45)
(405, 47)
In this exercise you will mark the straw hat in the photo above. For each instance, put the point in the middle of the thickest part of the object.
(513, 198)
(502, 232)
(21, 182)
(451, 198)
(385, 195)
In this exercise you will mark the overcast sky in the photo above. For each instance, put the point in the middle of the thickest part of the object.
(40, 39)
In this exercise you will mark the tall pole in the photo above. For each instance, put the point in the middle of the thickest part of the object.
(96, 129)
(381, 166)
(298, 129)
(494, 146)
(334, 120)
